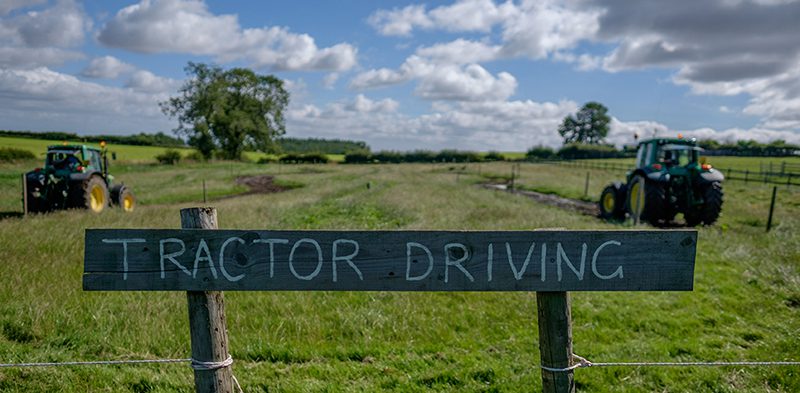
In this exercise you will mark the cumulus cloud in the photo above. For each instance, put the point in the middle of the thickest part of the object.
(58, 100)
(187, 26)
(10, 5)
(497, 125)
(451, 70)
(469, 82)
(146, 81)
(106, 67)
(461, 16)
(42, 37)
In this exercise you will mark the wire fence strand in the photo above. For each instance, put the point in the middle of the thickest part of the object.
(94, 363)
(580, 362)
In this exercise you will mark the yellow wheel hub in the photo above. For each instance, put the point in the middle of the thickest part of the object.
(637, 204)
(608, 202)
(128, 203)
(98, 199)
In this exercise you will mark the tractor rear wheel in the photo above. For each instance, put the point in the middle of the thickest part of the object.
(612, 202)
(708, 213)
(647, 199)
(95, 194)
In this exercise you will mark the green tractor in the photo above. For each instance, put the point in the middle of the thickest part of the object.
(668, 179)
(75, 176)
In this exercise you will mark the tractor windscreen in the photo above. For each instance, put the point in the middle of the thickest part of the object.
(680, 155)
(61, 159)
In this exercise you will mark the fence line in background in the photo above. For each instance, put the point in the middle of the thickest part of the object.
(761, 176)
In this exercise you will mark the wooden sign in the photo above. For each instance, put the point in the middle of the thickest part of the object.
(207, 260)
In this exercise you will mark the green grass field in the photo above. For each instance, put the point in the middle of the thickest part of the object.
(745, 305)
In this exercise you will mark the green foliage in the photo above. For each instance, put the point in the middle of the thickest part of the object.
(317, 145)
(229, 111)
(589, 125)
(540, 153)
(357, 158)
(581, 150)
(493, 156)
(311, 158)
(777, 148)
(418, 156)
(169, 157)
(140, 139)
(8, 154)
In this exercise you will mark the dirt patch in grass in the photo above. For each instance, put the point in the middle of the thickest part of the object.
(587, 208)
(258, 184)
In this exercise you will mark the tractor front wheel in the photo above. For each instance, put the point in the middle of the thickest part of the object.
(125, 199)
(95, 194)
(612, 202)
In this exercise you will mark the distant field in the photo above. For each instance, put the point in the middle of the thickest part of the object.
(745, 304)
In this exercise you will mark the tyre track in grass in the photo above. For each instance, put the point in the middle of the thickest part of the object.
(583, 207)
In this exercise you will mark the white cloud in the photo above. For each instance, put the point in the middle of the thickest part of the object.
(330, 80)
(400, 22)
(498, 125)
(6, 6)
(461, 16)
(363, 104)
(186, 26)
(469, 82)
(107, 67)
(146, 81)
(64, 102)
(460, 51)
(41, 37)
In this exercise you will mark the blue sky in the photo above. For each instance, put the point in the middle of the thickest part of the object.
(402, 75)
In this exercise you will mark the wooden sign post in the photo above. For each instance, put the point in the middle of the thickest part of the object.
(548, 262)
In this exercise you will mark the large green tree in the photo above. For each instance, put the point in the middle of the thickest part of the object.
(228, 111)
(589, 125)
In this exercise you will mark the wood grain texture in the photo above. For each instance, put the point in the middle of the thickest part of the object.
(207, 324)
(199, 260)
(555, 340)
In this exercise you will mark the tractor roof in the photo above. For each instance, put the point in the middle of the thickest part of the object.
(70, 147)
(672, 141)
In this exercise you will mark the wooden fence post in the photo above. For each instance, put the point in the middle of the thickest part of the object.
(207, 324)
(24, 195)
(555, 341)
(204, 191)
(771, 208)
(586, 186)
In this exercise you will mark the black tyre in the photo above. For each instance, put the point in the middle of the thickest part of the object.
(709, 211)
(612, 202)
(95, 194)
(123, 197)
(35, 185)
(647, 199)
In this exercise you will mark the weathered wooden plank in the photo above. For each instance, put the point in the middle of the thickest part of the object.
(556, 261)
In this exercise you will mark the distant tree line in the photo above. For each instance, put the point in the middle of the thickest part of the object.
(573, 151)
(778, 148)
(420, 156)
(141, 139)
(326, 146)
